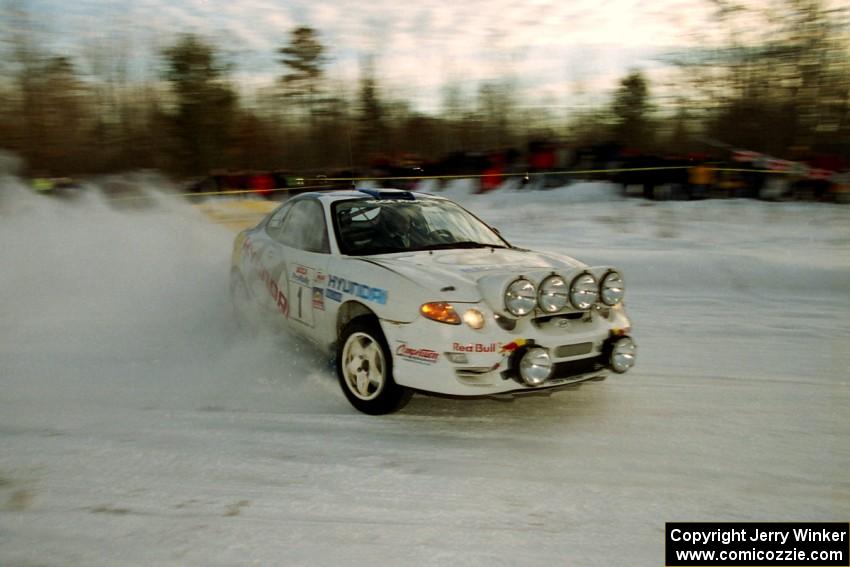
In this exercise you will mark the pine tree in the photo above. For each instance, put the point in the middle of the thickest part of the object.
(304, 60)
(205, 103)
(631, 110)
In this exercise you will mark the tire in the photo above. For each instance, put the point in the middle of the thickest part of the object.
(364, 367)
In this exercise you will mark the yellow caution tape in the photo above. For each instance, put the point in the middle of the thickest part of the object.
(526, 175)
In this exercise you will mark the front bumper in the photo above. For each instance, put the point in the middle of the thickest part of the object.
(456, 360)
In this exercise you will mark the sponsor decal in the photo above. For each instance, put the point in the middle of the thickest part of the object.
(418, 355)
(512, 346)
(265, 276)
(301, 275)
(318, 298)
(320, 279)
(363, 291)
(333, 295)
(247, 249)
(476, 347)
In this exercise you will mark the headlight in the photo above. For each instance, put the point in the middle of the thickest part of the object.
(520, 297)
(584, 291)
(535, 367)
(623, 353)
(553, 294)
(612, 288)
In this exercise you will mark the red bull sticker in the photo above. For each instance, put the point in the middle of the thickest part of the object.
(476, 347)
(513, 345)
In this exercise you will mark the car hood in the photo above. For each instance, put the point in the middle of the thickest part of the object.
(473, 275)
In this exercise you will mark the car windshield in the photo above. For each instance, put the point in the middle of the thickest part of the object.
(366, 227)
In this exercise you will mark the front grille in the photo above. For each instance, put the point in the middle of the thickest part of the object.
(473, 371)
(574, 316)
(575, 367)
(563, 321)
(564, 351)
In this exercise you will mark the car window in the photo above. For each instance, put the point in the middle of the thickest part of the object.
(456, 221)
(366, 227)
(304, 227)
(275, 221)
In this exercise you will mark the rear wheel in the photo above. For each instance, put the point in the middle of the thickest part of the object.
(365, 369)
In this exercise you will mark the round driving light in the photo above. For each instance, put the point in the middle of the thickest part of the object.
(584, 291)
(612, 288)
(553, 294)
(623, 355)
(474, 318)
(520, 297)
(535, 366)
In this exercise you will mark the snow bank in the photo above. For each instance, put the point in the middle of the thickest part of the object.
(512, 192)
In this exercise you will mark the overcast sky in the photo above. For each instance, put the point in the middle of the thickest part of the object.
(552, 49)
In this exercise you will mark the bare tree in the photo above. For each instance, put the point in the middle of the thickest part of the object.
(779, 82)
(372, 116)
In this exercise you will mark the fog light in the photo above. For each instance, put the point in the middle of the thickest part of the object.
(535, 366)
(623, 354)
(474, 318)
(456, 357)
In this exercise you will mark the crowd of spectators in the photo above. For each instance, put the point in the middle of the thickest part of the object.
(544, 164)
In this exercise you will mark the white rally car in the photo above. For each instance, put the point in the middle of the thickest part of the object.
(411, 292)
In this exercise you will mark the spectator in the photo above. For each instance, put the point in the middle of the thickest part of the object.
(700, 180)
(263, 184)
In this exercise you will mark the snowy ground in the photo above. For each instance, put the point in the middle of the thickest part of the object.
(137, 427)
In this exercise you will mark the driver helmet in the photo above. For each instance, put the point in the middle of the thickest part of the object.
(398, 220)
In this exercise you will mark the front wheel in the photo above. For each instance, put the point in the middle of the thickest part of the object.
(364, 367)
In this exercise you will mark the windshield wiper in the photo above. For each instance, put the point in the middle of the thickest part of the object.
(460, 244)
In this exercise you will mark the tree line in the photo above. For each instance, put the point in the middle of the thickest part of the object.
(779, 84)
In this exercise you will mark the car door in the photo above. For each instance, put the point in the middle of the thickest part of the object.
(304, 240)
(261, 263)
